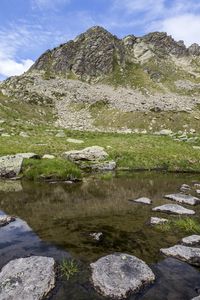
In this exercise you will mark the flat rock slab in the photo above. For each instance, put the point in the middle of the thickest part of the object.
(118, 274)
(27, 155)
(191, 240)
(142, 200)
(89, 154)
(189, 254)
(174, 209)
(29, 278)
(158, 221)
(10, 166)
(5, 220)
(186, 199)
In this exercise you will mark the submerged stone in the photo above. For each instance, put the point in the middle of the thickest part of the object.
(184, 253)
(174, 209)
(27, 278)
(158, 221)
(191, 240)
(186, 199)
(118, 274)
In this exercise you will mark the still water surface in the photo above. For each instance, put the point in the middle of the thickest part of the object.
(57, 219)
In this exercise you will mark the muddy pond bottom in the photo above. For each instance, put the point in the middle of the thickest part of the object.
(59, 220)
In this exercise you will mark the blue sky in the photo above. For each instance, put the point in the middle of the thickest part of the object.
(29, 27)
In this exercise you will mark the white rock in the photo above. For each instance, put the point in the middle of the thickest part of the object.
(186, 199)
(118, 274)
(191, 240)
(143, 200)
(10, 165)
(174, 209)
(184, 253)
(30, 278)
(75, 141)
(157, 221)
(5, 220)
(91, 154)
(48, 156)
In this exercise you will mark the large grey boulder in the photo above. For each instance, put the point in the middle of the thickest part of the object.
(184, 253)
(29, 278)
(10, 166)
(174, 209)
(186, 199)
(191, 240)
(118, 274)
(27, 155)
(93, 153)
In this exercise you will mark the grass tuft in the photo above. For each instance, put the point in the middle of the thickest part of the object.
(188, 225)
(68, 268)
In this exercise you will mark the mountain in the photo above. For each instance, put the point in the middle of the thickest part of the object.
(101, 82)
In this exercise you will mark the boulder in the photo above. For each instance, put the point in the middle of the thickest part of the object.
(142, 200)
(184, 253)
(158, 221)
(191, 240)
(174, 209)
(5, 220)
(186, 199)
(10, 166)
(27, 278)
(118, 274)
(104, 166)
(93, 153)
(27, 155)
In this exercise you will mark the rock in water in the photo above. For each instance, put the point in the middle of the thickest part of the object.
(184, 253)
(191, 240)
(186, 199)
(158, 221)
(10, 166)
(5, 220)
(174, 209)
(89, 154)
(142, 200)
(30, 278)
(118, 274)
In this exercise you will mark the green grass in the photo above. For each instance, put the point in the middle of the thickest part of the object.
(68, 268)
(187, 225)
(55, 169)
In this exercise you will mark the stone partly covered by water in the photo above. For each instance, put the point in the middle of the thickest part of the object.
(118, 274)
(10, 166)
(5, 220)
(142, 200)
(185, 188)
(189, 254)
(27, 278)
(158, 221)
(174, 209)
(186, 199)
(191, 240)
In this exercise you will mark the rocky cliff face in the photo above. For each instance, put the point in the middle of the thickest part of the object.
(98, 76)
(95, 53)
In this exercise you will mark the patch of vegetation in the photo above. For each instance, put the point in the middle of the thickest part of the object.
(187, 225)
(69, 268)
(54, 169)
(107, 176)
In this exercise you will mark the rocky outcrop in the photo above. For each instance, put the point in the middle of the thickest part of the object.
(27, 278)
(188, 254)
(194, 49)
(174, 209)
(186, 199)
(116, 275)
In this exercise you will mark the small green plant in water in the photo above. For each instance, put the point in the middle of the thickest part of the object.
(68, 268)
(106, 176)
(187, 225)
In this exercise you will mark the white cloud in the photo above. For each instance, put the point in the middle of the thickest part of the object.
(9, 67)
(48, 4)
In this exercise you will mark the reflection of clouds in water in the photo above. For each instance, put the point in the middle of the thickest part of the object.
(10, 186)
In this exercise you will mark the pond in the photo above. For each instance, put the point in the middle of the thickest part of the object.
(57, 219)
